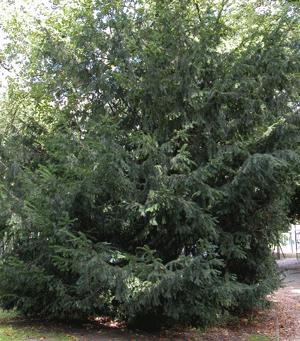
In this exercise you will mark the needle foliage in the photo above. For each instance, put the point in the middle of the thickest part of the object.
(148, 154)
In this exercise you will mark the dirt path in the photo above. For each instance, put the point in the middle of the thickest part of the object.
(289, 297)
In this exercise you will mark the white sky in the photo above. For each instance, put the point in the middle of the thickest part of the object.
(9, 8)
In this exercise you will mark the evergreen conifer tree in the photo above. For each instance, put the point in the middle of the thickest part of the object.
(148, 154)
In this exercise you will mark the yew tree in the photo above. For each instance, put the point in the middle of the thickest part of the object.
(149, 151)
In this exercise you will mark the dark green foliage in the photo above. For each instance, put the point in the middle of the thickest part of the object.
(149, 151)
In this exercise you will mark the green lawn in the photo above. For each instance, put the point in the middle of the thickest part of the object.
(11, 330)
(260, 338)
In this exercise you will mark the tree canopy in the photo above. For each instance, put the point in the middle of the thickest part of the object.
(149, 151)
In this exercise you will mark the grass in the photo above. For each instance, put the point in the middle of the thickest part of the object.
(260, 338)
(11, 330)
(14, 328)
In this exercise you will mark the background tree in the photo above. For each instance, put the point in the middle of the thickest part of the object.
(149, 151)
